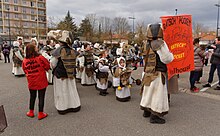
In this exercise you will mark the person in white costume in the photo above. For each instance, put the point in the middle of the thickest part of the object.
(102, 74)
(46, 52)
(88, 75)
(122, 80)
(154, 100)
(80, 64)
(63, 62)
(17, 59)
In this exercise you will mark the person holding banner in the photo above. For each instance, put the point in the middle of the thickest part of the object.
(215, 64)
(154, 100)
(199, 54)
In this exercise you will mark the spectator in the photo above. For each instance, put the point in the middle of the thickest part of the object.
(1, 51)
(35, 67)
(141, 61)
(215, 64)
(6, 52)
(199, 54)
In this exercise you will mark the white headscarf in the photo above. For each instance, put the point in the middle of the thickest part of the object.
(118, 60)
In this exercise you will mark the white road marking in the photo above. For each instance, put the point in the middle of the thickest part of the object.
(206, 88)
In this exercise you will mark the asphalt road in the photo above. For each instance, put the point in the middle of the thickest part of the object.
(189, 114)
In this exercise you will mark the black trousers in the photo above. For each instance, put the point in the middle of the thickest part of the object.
(6, 56)
(193, 77)
(41, 96)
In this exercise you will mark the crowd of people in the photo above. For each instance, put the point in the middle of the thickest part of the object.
(62, 61)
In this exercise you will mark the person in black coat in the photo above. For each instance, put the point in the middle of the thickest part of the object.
(6, 52)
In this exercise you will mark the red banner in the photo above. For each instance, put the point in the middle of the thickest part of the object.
(177, 32)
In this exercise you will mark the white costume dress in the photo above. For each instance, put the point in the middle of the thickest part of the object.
(81, 65)
(124, 93)
(105, 69)
(17, 69)
(66, 97)
(155, 96)
(49, 72)
(85, 80)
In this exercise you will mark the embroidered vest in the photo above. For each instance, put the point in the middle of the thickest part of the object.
(69, 61)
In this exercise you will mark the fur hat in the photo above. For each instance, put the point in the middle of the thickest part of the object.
(34, 39)
(154, 31)
(62, 36)
(20, 38)
(96, 45)
(16, 44)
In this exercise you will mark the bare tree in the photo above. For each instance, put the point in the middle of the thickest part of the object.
(52, 23)
(198, 29)
(93, 21)
(120, 25)
(105, 23)
(141, 30)
(19, 28)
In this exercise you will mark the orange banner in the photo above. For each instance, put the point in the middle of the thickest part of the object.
(177, 32)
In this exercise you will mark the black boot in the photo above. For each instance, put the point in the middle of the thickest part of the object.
(106, 93)
(102, 94)
(157, 120)
(146, 114)
(169, 98)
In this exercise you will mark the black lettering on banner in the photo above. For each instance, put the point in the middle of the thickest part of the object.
(180, 70)
(184, 20)
(169, 22)
(32, 66)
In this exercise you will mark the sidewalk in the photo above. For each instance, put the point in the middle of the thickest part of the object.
(184, 85)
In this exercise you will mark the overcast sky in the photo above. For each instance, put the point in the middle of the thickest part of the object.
(149, 11)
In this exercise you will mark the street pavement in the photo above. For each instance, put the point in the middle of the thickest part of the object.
(190, 114)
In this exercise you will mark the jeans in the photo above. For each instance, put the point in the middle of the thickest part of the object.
(193, 77)
(6, 56)
(212, 71)
(41, 96)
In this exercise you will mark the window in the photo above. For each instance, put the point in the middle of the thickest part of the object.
(33, 18)
(25, 24)
(6, 0)
(26, 31)
(32, 11)
(33, 24)
(24, 10)
(15, 24)
(24, 2)
(33, 32)
(15, 8)
(6, 7)
(0, 14)
(24, 16)
(16, 1)
(1, 22)
(16, 16)
(32, 4)
(7, 15)
(1, 30)
(42, 25)
(41, 12)
(41, 5)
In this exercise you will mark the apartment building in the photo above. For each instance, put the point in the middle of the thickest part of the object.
(26, 18)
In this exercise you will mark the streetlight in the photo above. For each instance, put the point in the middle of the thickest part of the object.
(217, 5)
(9, 27)
(176, 11)
(133, 18)
(37, 29)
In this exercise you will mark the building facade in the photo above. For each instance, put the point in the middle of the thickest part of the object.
(26, 18)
